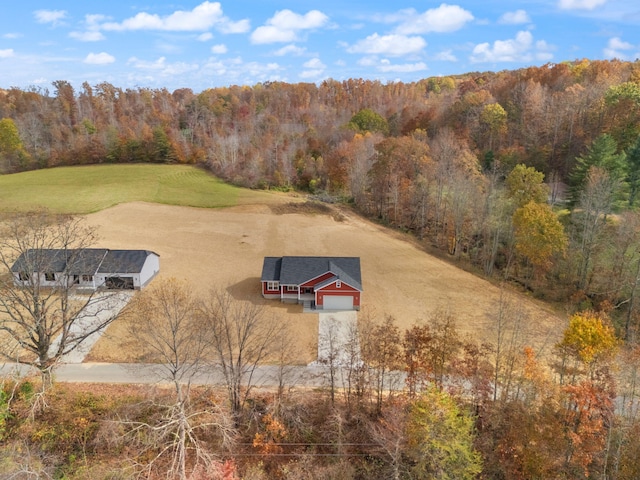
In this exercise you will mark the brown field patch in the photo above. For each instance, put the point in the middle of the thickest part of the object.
(225, 247)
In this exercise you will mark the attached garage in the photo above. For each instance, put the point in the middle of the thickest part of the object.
(338, 302)
(119, 283)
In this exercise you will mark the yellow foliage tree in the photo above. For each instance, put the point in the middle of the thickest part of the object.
(589, 337)
(539, 234)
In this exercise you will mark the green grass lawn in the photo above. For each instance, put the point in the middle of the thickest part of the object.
(91, 188)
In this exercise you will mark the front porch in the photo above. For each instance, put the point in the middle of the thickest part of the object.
(297, 297)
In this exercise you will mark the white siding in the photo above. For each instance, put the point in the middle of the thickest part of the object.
(150, 269)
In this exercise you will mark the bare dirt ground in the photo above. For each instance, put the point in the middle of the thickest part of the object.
(225, 247)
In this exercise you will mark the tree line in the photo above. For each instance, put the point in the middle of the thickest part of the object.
(430, 157)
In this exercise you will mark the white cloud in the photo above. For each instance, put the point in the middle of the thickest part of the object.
(6, 53)
(285, 25)
(12, 36)
(219, 49)
(289, 50)
(580, 4)
(241, 26)
(446, 56)
(513, 50)
(369, 61)
(160, 67)
(92, 32)
(311, 73)
(314, 68)
(386, 66)
(271, 34)
(616, 49)
(314, 63)
(543, 51)
(99, 58)
(393, 45)
(445, 18)
(50, 16)
(146, 65)
(515, 18)
(203, 17)
(203, 37)
(88, 36)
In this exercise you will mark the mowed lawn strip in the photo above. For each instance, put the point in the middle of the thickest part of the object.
(91, 188)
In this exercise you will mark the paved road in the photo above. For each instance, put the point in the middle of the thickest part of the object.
(264, 376)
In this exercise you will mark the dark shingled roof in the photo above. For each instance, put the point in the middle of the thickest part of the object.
(298, 270)
(74, 261)
(271, 269)
(87, 261)
(124, 261)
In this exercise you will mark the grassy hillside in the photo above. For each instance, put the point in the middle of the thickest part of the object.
(92, 188)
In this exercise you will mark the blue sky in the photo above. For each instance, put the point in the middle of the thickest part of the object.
(203, 44)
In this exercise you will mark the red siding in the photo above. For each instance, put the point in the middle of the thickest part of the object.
(344, 290)
(265, 291)
(317, 280)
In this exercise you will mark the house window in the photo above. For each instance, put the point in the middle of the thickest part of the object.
(24, 276)
(50, 276)
(338, 284)
(273, 285)
(292, 288)
(87, 278)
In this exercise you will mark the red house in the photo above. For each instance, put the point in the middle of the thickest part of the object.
(323, 283)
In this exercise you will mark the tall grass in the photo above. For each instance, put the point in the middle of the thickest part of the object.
(87, 189)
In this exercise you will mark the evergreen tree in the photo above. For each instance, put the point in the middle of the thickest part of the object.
(603, 154)
(633, 171)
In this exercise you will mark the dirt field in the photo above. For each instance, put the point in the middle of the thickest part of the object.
(225, 247)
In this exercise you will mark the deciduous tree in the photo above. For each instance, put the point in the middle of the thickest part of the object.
(440, 439)
(525, 184)
(166, 331)
(240, 336)
(39, 325)
(539, 235)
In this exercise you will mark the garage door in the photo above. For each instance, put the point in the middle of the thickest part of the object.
(338, 302)
(119, 283)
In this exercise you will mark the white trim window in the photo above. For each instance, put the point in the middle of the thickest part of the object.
(273, 286)
(292, 288)
(338, 283)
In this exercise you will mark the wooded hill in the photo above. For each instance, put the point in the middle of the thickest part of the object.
(460, 161)
(528, 176)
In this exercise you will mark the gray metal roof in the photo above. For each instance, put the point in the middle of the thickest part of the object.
(86, 261)
(298, 270)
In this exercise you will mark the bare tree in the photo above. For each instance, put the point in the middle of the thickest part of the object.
(165, 325)
(41, 324)
(354, 371)
(509, 322)
(240, 337)
(382, 352)
(389, 434)
(330, 354)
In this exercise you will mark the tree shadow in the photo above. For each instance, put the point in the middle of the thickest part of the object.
(249, 290)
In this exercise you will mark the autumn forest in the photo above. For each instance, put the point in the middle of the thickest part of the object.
(529, 178)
